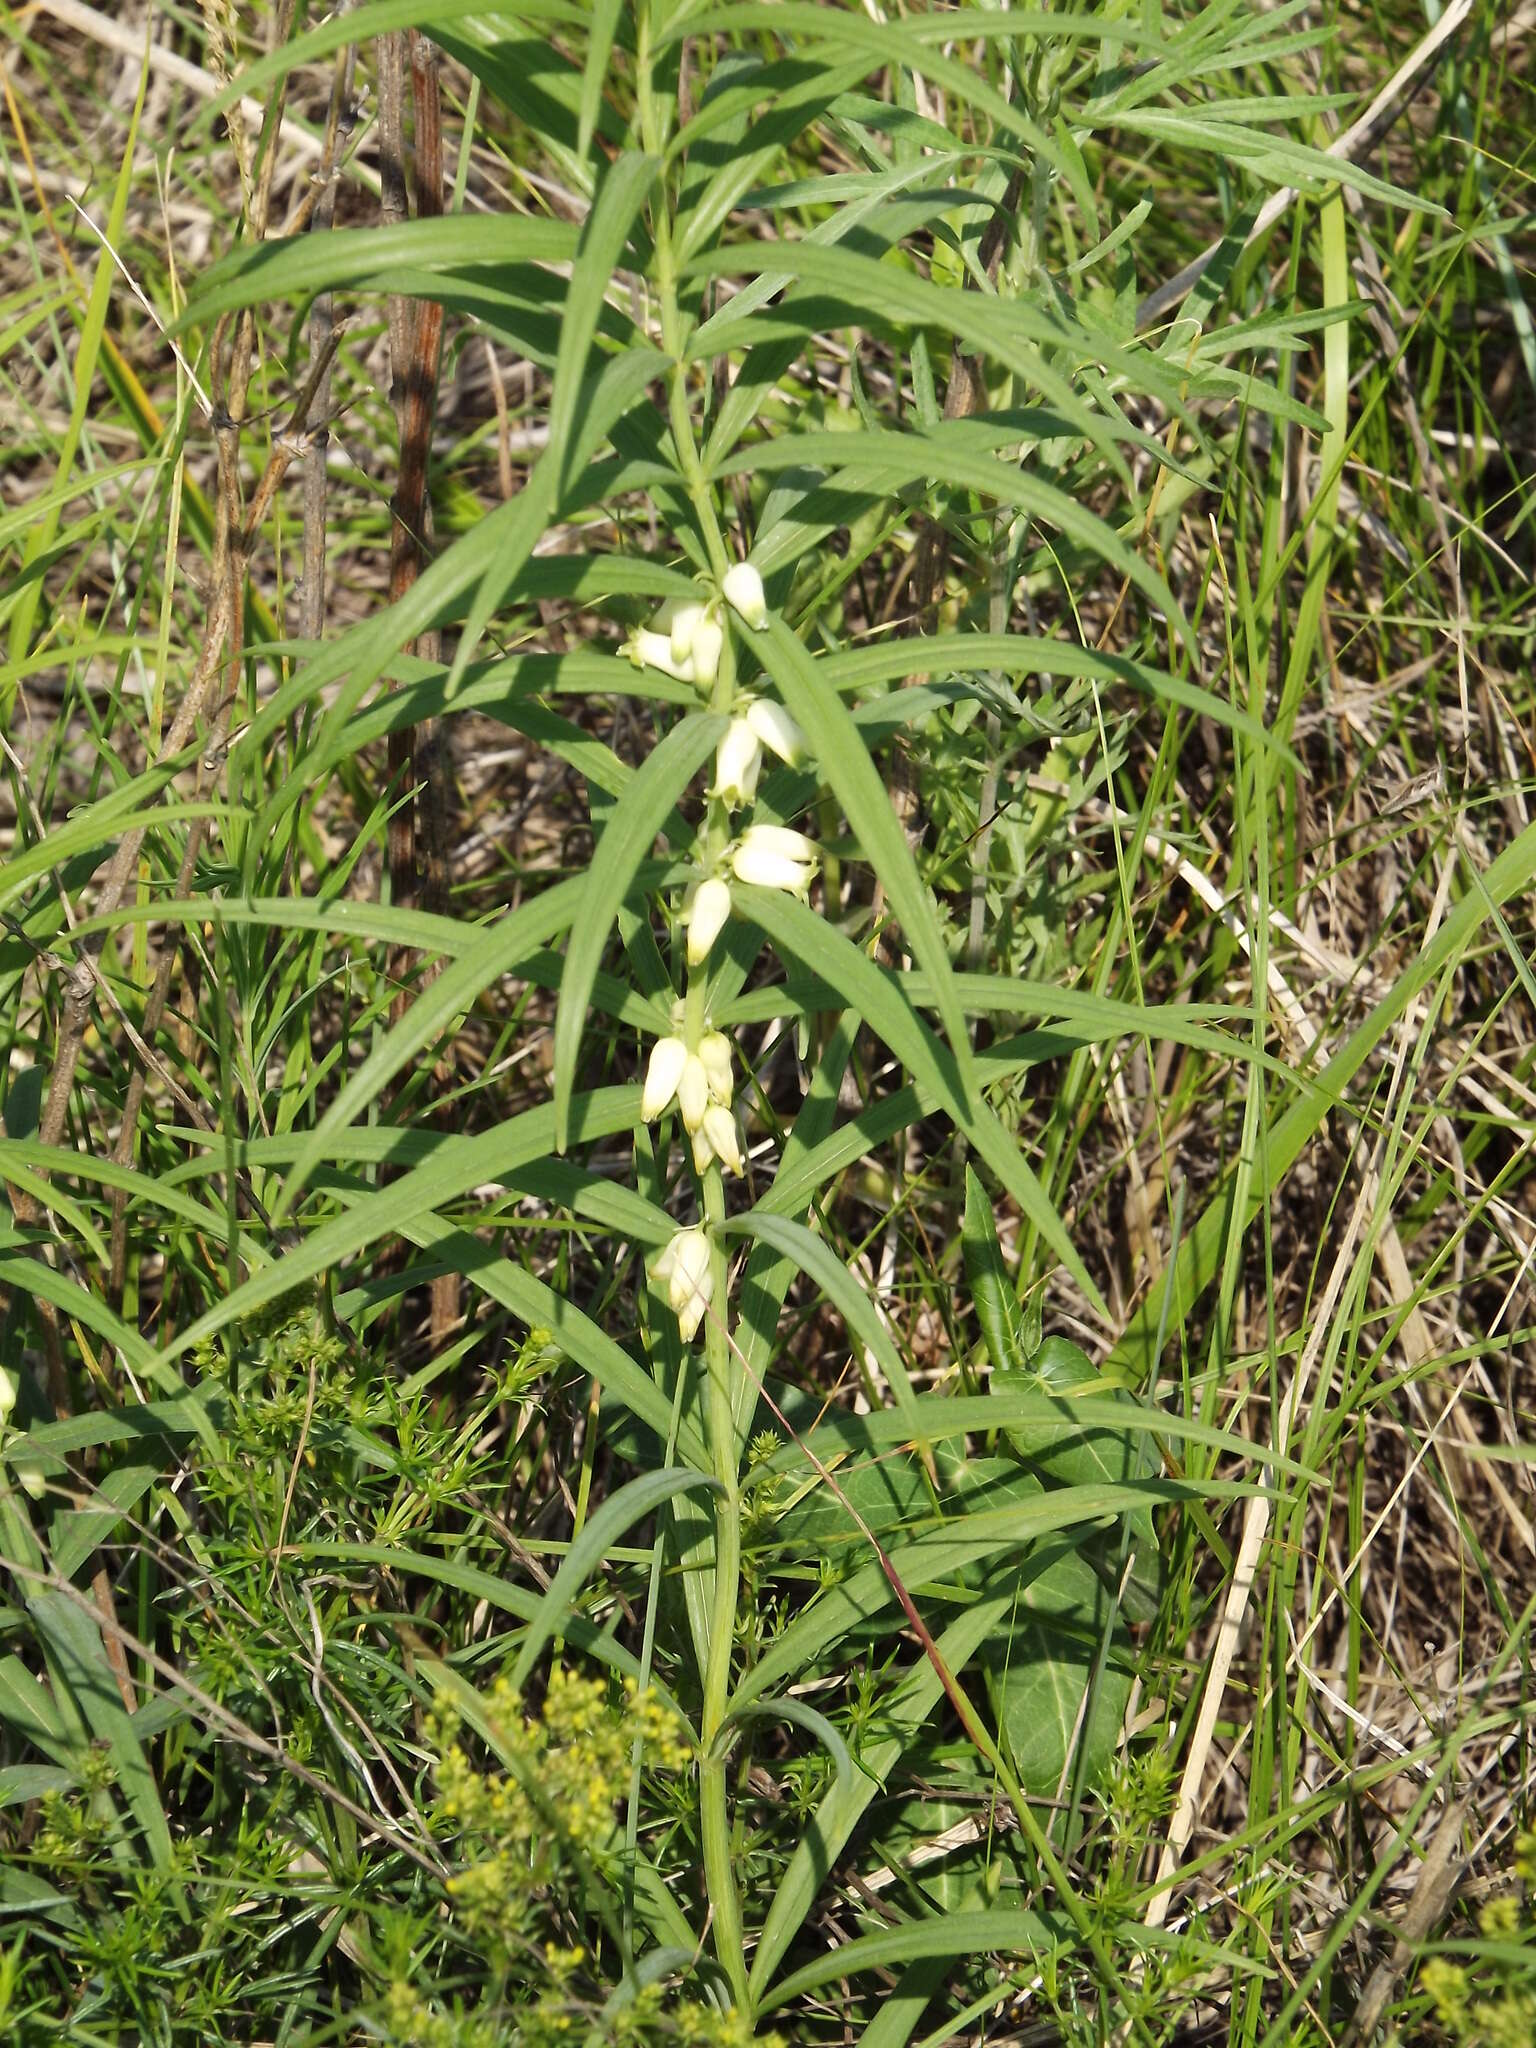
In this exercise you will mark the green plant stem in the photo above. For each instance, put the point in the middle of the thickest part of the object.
(653, 128)
(714, 1809)
(714, 1814)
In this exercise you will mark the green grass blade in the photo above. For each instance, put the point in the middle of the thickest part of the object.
(625, 841)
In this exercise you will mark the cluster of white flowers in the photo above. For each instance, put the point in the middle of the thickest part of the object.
(684, 1264)
(684, 640)
(756, 722)
(693, 1072)
(772, 856)
(699, 1081)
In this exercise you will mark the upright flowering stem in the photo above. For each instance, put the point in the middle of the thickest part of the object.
(720, 1421)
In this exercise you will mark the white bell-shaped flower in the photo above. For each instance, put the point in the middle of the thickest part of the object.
(679, 619)
(774, 857)
(715, 1052)
(693, 1092)
(708, 640)
(684, 1264)
(705, 918)
(647, 649)
(665, 1070)
(776, 730)
(738, 758)
(10, 1386)
(716, 1138)
(743, 588)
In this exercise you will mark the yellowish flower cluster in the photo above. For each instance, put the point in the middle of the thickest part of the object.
(567, 1767)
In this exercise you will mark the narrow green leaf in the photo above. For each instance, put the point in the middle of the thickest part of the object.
(801, 935)
(997, 1306)
(605, 20)
(371, 259)
(803, 1716)
(906, 1712)
(624, 843)
(1200, 1254)
(80, 1661)
(820, 1263)
(620, 1511)
(998, 1930)
(845, 764)
(603, 235)
(488, 956)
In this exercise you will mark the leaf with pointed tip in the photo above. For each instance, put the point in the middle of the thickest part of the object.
(844, 761)
(820, 1263)
(625, 842)
(801, 935)
(605, 21)
(620, 1511)
(997, 1306)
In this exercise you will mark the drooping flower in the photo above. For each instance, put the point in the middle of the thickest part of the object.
(705, 917)
(679, 619)
(708, 640)
(665, 1070)
(715, 1052)
(774, 857)
(717, 1138)
(693, 1092)
(738, 758)
(777, 730)
(743, 588)
(10, 1386)
(648, 649)
(684, 1264)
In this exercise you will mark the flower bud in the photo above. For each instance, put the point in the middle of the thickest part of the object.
(705, 918)
(743, 587)
(10, 1386)
(30, 1477)
(654, 650)
(693, 1092)
(708, 640)
(715, 1052)
(668, 1057)
(716, 1138)
(680, 620)
(777, 730)
(685, 1266)
(738, 759)
(774, 857)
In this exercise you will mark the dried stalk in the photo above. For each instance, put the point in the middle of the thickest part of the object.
(418, 872)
